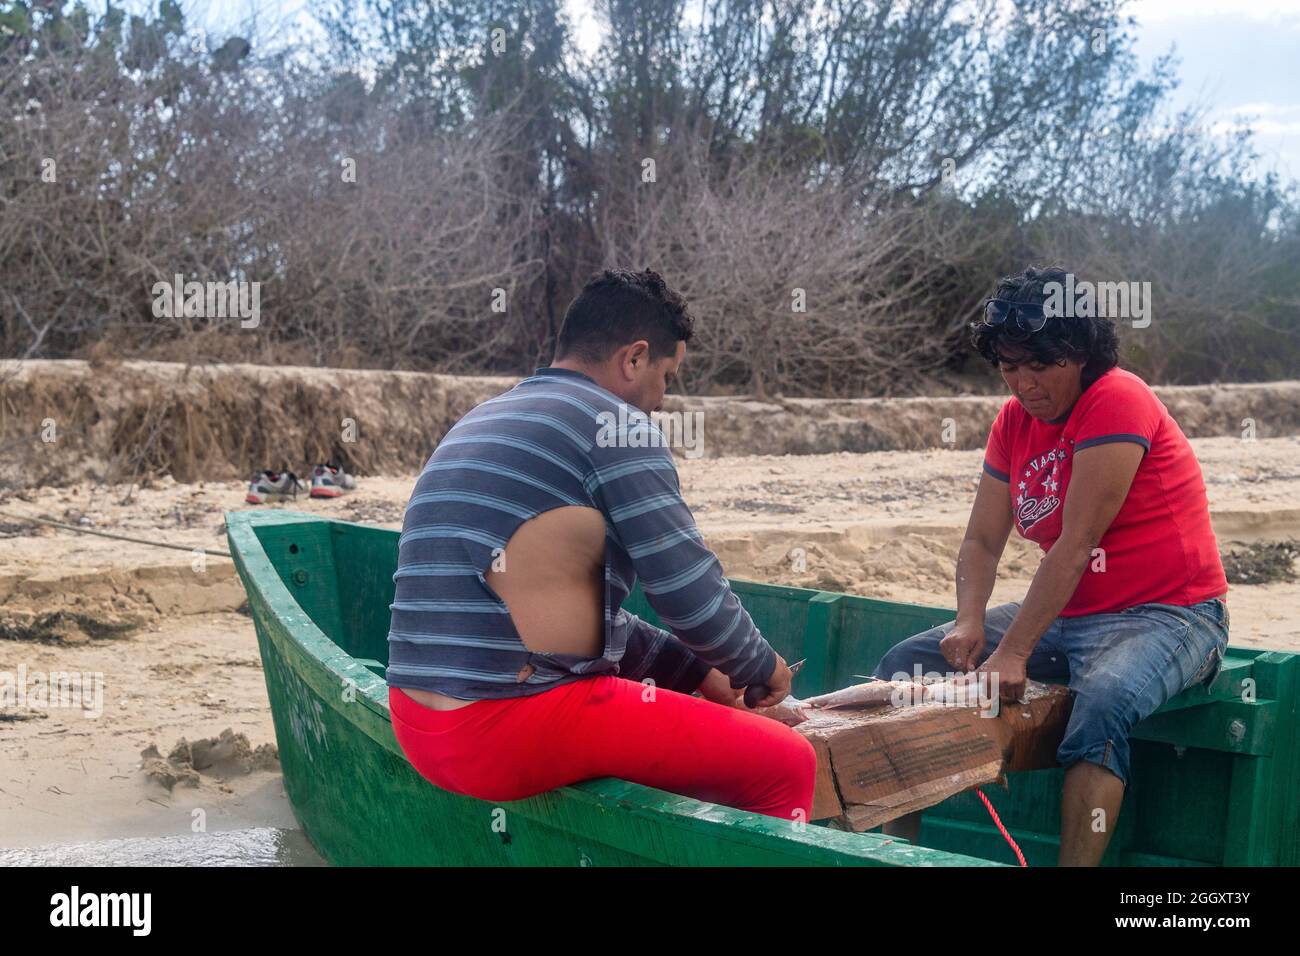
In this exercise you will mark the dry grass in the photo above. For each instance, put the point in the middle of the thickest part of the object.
(126, 423)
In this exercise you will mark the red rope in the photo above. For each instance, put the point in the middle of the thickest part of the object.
(1001, 829)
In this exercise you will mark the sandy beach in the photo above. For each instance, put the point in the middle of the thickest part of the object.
(179, 660)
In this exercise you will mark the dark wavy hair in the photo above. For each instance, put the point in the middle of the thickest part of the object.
(619, 307)
(1090, 341)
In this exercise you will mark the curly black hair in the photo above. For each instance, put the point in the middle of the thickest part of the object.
(1090, 341)
(619, 307)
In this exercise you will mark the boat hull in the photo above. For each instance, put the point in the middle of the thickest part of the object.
(361, 803)
(1216, 772)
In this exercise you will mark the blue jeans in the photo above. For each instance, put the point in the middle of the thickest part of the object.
(1121, 667)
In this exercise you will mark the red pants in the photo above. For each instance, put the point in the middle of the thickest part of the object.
(602, 727)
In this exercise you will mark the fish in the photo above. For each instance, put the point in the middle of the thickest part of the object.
(790, 711)
(875, 693)
(964, 690)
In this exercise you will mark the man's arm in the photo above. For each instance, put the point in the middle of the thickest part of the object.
(635, 484)
(981, 549)
(977, 568)
(652, 653)
(1099, 485)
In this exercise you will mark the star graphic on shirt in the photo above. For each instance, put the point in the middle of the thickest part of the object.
(1052, 485)
(1022, 486)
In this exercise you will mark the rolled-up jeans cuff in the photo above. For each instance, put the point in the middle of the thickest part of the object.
(1103, 754)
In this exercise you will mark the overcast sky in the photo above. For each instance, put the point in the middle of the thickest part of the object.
(1241, 59)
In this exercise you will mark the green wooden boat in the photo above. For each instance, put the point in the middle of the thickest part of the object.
(1216, 772)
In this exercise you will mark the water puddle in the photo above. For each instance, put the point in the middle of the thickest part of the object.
(259, 846)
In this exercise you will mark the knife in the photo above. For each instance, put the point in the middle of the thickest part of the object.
(756, 692)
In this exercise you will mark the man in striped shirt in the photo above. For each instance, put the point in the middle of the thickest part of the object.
(513, 667)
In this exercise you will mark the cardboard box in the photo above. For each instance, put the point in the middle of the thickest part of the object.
(877, 764)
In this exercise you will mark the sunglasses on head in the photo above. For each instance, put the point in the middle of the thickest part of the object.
(1029, 316)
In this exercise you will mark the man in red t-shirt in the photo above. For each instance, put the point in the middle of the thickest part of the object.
(1127, 603)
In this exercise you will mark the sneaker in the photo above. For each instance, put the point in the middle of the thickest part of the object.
(330, 481)
(272, 484)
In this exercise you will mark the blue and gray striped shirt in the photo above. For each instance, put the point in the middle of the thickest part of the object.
(559, 439)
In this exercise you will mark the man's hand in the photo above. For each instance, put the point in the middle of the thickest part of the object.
(963, 645)
(1010, 669)
(716, 687)
(778, 684)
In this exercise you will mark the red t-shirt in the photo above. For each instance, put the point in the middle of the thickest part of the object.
(1161, 547)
